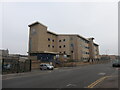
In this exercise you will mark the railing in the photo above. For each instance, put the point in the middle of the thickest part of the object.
(15, 66)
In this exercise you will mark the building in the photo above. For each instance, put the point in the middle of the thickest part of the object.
(4, 54)
(14, 63)
(109, 57)
(45, 45)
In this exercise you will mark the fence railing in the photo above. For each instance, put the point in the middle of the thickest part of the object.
(15, 66)
(73, 63)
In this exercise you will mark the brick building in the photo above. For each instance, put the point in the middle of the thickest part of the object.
(45, 45)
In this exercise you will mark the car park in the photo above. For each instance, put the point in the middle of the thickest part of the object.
(46, 67)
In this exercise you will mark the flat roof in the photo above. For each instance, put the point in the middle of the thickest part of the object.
(52, 33)
(95, 44)
(83, 38)
(74, 35)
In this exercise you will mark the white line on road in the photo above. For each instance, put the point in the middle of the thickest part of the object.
(70, 85)
(101, 73)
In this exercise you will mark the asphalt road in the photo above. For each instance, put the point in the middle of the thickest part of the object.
(72, 77)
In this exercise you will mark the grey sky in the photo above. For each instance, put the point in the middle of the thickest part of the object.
(89, 19)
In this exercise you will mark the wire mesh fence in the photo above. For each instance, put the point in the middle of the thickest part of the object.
(15, 66)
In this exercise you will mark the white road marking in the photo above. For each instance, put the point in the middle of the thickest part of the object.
(101, 73)
(55, 68)
(49, 71)
(70, 85)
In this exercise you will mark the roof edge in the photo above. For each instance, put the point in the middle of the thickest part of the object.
(36, 23)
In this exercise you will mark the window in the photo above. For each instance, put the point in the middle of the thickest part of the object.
(53, 46)
(33, 31)
(68, 55)
(64, 46)
(71, 38)
(71, 51)
(48, 45)
(48, 39)
(59, 46)
(86, 47)
(59, 40)
(72, 45)
(64, 52)
(63, 39)
(53, 40)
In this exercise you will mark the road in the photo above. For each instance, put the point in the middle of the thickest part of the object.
(71, 77)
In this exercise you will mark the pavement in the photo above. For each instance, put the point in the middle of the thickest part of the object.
(88, 76)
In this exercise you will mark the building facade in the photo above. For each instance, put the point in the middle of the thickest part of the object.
(47, 46)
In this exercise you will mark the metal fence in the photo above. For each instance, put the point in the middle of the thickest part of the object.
(73, 63)
(15, 66)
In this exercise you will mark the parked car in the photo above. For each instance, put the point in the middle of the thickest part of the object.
(46, 67)
(116, 63)
(7, 66)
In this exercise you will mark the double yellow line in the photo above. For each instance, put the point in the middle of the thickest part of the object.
(97, 81)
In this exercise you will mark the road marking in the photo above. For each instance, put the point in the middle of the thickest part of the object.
(49, 71)
(101, 73)
(70, 85)
(97, 81)
(55, 68)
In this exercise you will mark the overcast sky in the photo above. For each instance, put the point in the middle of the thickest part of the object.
(88, 19)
